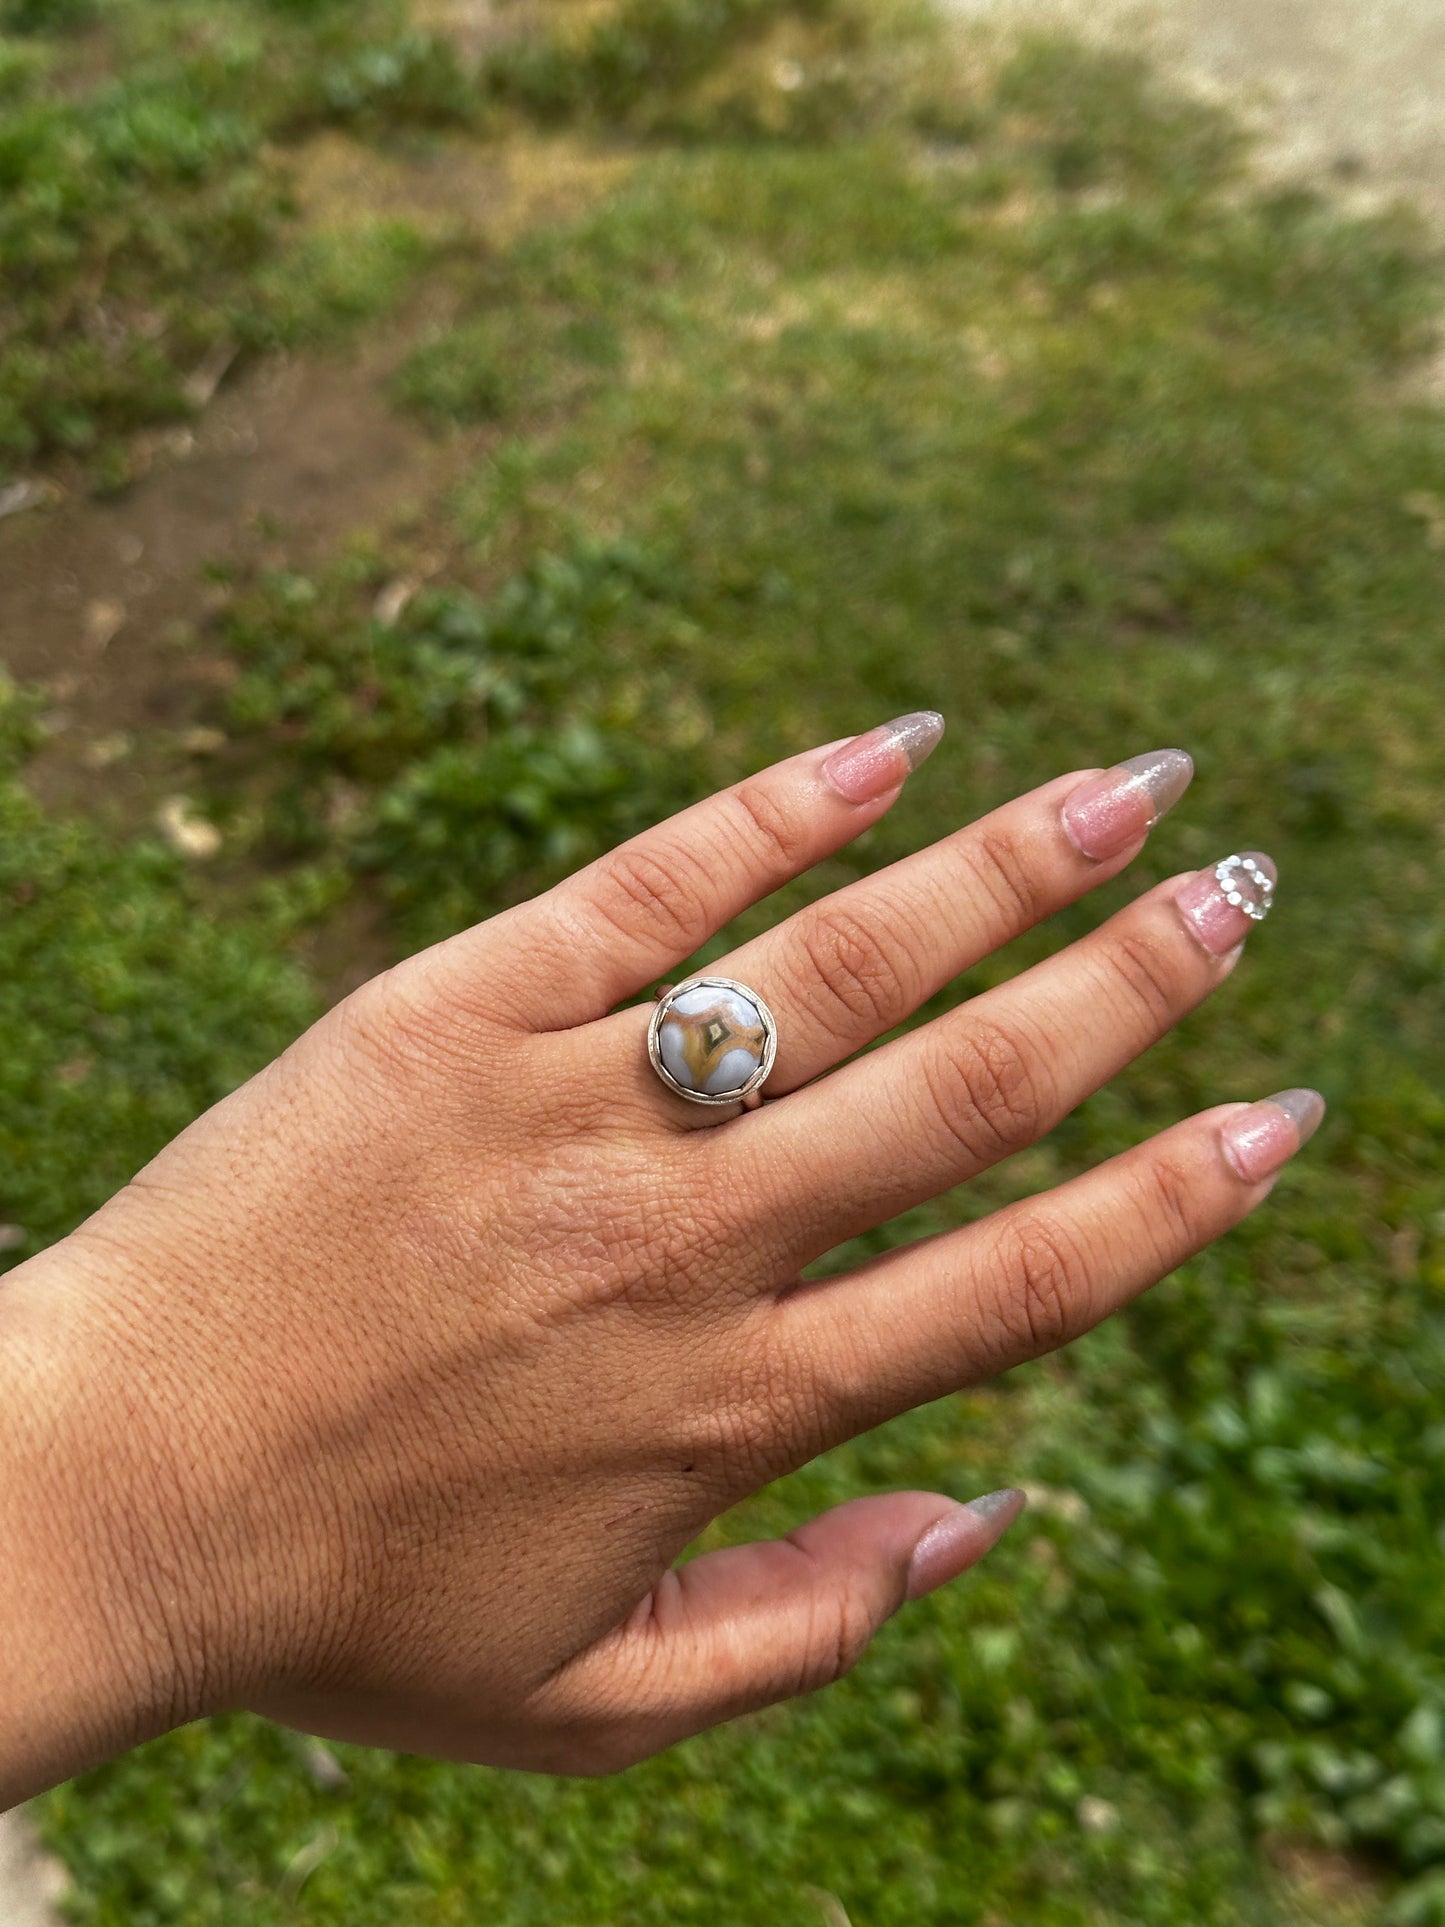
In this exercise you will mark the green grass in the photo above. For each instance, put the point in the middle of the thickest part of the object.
(125, 1009)
(146, 212)
(1004, 392)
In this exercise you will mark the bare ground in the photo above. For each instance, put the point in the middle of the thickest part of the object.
(30, 1884)
(1342, 89)
(100, 599)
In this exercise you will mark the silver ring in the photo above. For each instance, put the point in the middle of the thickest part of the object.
(712, 1041)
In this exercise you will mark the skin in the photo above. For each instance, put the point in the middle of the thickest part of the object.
(385, 1399)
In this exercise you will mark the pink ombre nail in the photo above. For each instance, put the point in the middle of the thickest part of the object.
(960, 1539)
(1264, 1136)
(1221, 905)
(873, 764)
(1113, 811)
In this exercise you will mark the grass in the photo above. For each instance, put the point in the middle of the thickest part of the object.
(124, 1011)
(146, 214)
(997, 386)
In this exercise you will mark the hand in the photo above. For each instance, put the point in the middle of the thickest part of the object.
(386, 1398)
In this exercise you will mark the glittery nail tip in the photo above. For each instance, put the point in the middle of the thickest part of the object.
(961, 1538)
(993, 1505)
(918, 734)
(1262, 1137)
(1305, 1107)
(871, 765)
(1110, 813)
(1164, 773)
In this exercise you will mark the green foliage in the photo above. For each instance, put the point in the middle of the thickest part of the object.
(639, 62)
(328, 280)
(519, 356)
(124, 1011)
(147, 217)
(411, 80)
(474, 747)
(44, 16)
(1024, 404)
(1121, 126)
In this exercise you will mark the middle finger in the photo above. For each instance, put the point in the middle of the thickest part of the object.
(842, 972)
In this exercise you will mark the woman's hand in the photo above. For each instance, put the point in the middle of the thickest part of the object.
(385, 1399)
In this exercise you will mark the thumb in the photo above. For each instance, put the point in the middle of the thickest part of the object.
(740, 1629)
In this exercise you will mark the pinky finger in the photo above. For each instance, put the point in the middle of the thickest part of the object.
(741, 1629)
(925, 1320)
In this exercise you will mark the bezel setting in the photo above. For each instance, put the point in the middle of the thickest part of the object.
(770, 1040)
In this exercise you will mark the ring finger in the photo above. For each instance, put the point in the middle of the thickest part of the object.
(944, 1102)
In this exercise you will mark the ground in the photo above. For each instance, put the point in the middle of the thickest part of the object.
(529, 466)
(1341, 90)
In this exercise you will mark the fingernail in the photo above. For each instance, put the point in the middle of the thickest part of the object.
(960, 1538)
(871, 765)
(1221, 905)
(1264, 1136)
(1110, 812)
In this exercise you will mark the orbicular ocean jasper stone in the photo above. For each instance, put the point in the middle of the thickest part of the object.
(711, 1039)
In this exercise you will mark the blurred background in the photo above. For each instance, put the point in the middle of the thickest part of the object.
(437, 440)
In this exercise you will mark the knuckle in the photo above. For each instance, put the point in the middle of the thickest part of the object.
(750, 1428)
(775, 838)
(1003, 867)
(760, 1424)
(405, 1023)
(989, 1090)
(838, 1633)
(1149, 974)
(655, 888)
(1045, 1286)
(610, 1237)
(868, 975)
(1170, 1205)
(653, 1258)
(726, 1443)
(846, 1389)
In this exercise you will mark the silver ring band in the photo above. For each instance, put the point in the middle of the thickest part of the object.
(712, 1040)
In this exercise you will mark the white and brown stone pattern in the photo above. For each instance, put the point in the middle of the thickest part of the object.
(711, 1039)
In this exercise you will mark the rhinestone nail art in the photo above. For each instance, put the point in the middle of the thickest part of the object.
(1246, 885)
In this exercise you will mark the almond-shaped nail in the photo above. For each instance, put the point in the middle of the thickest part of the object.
(1113, 811)
(961, 1538)
(1266, 1135)
(1222, 904)
(871, 765)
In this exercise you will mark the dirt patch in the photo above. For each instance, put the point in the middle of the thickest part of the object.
(1348, 90)
(438, 187)
(474, 27)
(31, 1884)
(1321, 1885)
(99, 599)
(96, 595)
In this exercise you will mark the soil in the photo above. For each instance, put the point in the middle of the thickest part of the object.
(94, 595)
(101, 599)
(31, 1886)
(1345, 90)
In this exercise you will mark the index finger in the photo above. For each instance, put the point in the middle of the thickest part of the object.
(631, 917)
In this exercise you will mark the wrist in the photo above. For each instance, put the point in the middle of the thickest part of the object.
(90, 1662)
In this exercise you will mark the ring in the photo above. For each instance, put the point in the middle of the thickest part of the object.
(712, 1041)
